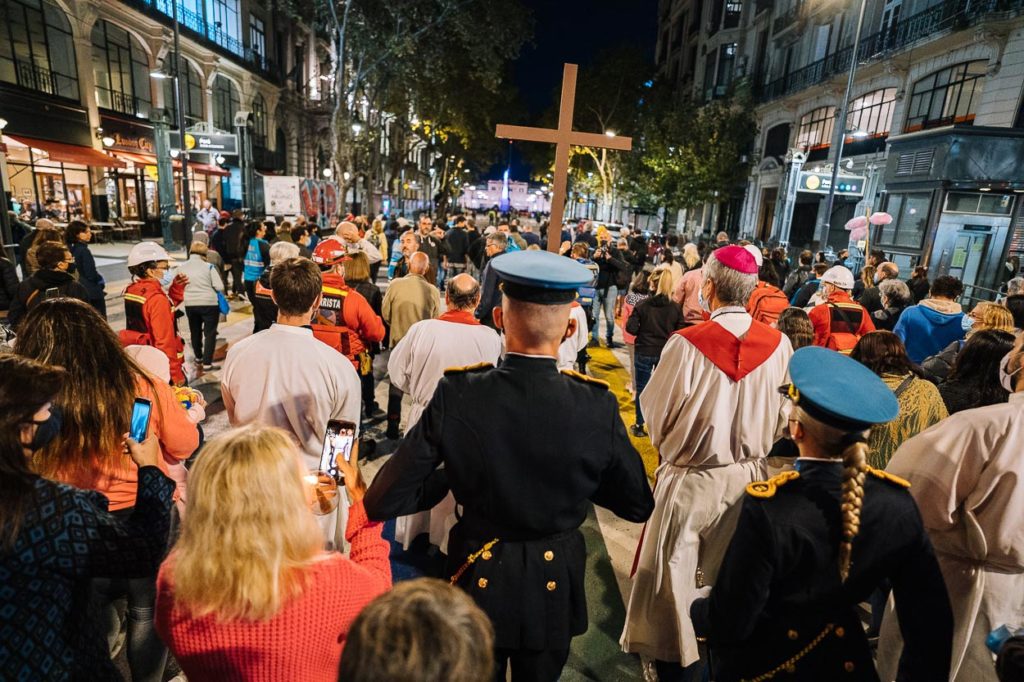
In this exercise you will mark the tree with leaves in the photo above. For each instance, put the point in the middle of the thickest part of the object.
(687, 154)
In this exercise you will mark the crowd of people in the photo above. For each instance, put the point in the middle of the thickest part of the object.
(883, 471)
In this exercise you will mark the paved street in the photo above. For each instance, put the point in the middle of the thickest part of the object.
(611, 542)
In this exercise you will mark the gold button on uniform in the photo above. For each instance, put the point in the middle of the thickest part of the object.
(482, 583)
(549, 555)
(840, 632)
(552, 585)
(486, 556)
(792, 634)
(848, 666)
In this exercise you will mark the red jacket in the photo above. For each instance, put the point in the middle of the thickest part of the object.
(358, 324)
(149, 318)
(823, 317)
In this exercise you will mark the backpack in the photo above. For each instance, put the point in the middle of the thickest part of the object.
(767, 303)
(842, 332)
(587, 293)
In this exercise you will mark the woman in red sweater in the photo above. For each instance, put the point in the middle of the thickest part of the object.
(248, 592)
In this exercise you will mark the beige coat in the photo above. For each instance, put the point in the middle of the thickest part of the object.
(965, 475)
(408, 300)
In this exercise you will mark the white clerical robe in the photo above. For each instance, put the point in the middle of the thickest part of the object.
(965, 474)
(572, 346)
(415, 367)
(713, 425)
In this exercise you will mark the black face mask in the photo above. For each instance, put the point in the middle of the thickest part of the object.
(46, 430)
(71, 268)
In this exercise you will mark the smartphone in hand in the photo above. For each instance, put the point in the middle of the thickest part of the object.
(339, 438)
(141, 411)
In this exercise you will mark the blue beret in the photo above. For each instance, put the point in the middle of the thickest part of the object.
(839, 391)
(540, 276)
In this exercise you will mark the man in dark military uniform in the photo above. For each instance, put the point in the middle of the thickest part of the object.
(524, 448)
(811, 544)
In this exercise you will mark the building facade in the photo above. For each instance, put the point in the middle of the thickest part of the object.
(84, 86)
(934, 123)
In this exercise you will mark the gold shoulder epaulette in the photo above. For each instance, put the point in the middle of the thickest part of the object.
(585, 378)
(886, 476)
(468, 368)
(766, 489)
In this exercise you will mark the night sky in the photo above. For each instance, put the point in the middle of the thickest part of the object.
(573, 31)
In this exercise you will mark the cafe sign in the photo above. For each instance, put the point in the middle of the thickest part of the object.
(207, 143)
(128, 137)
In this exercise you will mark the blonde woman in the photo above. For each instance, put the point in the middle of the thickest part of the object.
(985, 315)
(811, 544)
(248, 592)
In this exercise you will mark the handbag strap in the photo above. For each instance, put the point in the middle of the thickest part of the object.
(904, 385)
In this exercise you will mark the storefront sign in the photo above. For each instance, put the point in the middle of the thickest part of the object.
(819, 183)
(128, 137)
(281, 195)
(207, 143)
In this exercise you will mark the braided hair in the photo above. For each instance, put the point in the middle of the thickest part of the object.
(852, 500)
(854, 450)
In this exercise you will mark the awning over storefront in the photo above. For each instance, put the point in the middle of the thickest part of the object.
(150, 160)
(69, 153)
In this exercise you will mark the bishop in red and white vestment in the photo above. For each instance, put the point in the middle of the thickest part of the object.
(713, 410)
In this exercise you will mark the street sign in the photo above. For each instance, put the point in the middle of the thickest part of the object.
(819, 183)
(207, 143)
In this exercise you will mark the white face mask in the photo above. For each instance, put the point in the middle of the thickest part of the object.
(1005, 376)
(704, 303)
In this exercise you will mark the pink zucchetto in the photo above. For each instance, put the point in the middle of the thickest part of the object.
(737, 258)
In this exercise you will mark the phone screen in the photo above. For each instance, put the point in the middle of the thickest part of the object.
(338, 440)
(140, 419)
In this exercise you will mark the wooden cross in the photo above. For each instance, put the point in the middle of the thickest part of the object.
(562, 137)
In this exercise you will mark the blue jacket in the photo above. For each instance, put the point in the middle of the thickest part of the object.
(257, 258)
(88, 276)
(925, 331)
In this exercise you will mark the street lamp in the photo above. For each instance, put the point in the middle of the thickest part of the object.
(610, 133)
(327, 172)
(220, 159)
(347, 176)
(841, 127)
(107, 141)
(357, 127)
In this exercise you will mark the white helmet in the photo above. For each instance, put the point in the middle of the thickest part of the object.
(838, 276)
(145, 252)
(756, 253)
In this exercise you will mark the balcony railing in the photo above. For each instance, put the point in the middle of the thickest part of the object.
(951, 14)
(122, 103)
(211, 31)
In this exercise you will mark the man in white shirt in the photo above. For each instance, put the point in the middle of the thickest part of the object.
(283, 376)
(715, 410)
(348, 233)
(417, 363)
(208, 216)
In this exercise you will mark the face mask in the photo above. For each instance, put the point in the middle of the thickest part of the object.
(1006, 377)
(877, 278)
(167, 278)
(966, 322)
(46, 430)
(704, 303)
(71, 268)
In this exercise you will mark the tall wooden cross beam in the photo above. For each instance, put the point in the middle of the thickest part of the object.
(562, 137)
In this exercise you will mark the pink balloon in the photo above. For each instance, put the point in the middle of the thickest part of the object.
(856, 222)
(880, 218)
